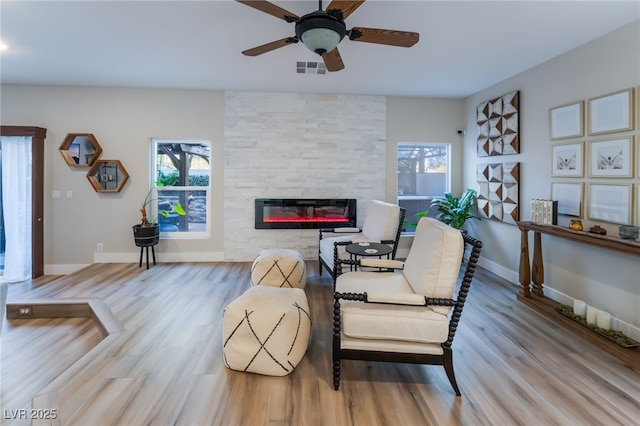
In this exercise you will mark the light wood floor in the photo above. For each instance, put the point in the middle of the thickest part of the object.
(513, 365)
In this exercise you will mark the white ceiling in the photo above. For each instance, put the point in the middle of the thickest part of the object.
(464, 47)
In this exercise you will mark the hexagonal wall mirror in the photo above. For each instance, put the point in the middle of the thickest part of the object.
(80, 149)
(107, 176)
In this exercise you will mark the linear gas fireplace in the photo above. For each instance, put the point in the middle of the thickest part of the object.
(297, 213)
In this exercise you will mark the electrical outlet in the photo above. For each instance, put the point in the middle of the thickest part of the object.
(99, 247)
(25, 311)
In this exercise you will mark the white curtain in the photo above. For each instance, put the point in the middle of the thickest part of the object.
(16, 205)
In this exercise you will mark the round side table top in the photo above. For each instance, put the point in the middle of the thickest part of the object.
(368, 249)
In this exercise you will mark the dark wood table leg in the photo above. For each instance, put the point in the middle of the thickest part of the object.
(141, 250)
(153, 252)
(525, 269)
(147, 256)
(537, 268)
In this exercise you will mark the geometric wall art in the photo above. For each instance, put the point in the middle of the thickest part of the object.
(498, 126)
(498, 195)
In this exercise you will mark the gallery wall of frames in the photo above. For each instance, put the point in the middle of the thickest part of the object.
(595, 157)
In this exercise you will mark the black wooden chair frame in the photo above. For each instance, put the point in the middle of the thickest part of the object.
(333, 269)
(445, 359)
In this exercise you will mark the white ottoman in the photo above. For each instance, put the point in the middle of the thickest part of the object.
(279, 268)
(266, 330)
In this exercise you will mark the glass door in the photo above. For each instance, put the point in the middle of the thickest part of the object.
(2, 239)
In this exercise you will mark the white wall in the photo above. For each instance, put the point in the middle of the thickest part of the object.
(604, 279)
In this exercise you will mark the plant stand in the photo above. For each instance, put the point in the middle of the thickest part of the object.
(145, 237)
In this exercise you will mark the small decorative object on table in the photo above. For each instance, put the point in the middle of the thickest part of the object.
(598, 230)
(628, 232)
(576, 224)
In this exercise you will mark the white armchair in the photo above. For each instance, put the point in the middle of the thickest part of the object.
(411, 316)
(382, 224)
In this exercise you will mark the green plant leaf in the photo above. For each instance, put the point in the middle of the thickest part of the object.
(179, 209)
(455, 211)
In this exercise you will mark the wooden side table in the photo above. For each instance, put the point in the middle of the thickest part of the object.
(531, 276)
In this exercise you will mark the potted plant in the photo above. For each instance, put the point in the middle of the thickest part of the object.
(147, 233)
(455, 211)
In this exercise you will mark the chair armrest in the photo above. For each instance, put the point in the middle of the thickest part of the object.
(410, 299)
(382, 263)
(346, 230)
(341, 230)
(393, 299)
(396, 298)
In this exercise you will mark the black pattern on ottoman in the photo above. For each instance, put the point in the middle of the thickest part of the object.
(266, 330)
(278, 267)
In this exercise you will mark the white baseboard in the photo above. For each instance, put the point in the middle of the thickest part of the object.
(499, 270)
(134, 257)
(62, 269)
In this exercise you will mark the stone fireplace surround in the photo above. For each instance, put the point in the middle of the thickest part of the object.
(294, 145)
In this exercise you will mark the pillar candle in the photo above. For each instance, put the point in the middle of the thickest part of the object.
(579, 308)
(592, 314)
(604, 320)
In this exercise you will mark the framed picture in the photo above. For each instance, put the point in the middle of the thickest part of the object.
(610, 203)
(566, 121)
(568, 196)
(612, 158)
(567, 160)
(611, 113)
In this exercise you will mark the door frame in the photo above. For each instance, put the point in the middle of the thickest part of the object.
(38, 135)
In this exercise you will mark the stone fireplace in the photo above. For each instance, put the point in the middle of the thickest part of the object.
(297, 146)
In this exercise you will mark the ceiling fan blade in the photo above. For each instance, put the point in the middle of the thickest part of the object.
(270, 46)
(271, 9)
(347, 7)
(333, 60)
(380, 36)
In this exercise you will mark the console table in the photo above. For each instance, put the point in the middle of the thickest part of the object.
(535, 272)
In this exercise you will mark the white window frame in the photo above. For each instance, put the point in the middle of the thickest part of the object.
(181, 235)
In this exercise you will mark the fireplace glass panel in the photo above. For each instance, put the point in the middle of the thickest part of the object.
(283, 213)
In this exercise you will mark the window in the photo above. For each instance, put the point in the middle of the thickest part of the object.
(423, 173)
(182, 168)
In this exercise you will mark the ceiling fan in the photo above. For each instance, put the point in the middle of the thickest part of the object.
(321, 31)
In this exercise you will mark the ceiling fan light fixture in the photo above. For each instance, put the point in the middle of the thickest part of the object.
(320, 32)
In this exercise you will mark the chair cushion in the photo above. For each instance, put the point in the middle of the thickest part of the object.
(406, 323)
(326, 246)
(381, 221)
(433, 264)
